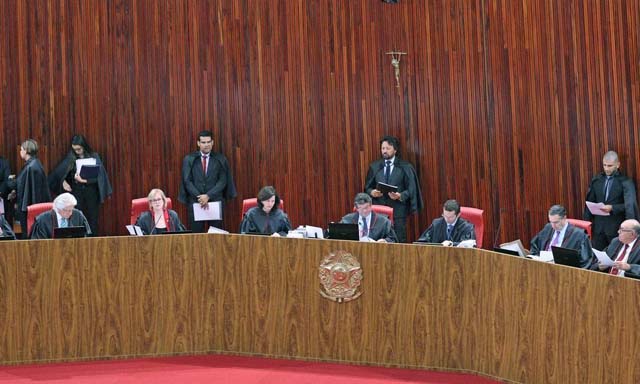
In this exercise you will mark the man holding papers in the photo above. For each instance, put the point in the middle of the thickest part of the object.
(206, 179)
(624, 252)
(371, 225)
(618, 195)
(559, 233)
(393, 182)
(82, 174)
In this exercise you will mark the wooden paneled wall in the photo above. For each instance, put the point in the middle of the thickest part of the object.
(504, 105)
(422, 307)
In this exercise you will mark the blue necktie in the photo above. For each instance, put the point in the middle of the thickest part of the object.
(387, 170)
(365, 228)
(449, 230)
(607, 186)
(64, 223)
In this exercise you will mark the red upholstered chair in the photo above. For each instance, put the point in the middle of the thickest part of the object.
(33, 211)
(140, 205)
(476, 217)
(586, 225)
(247, 204)
(381, 209)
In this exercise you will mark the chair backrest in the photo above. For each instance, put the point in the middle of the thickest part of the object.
(381, 209)
(586, 225)
(476, 217)
(140, 205)
(247, 204)
(32, 212)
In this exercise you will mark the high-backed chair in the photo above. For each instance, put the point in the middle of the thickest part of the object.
(476, 217)
(140, 205)
(382, 210)
(247, 204)
(32, 212)
(586, 225)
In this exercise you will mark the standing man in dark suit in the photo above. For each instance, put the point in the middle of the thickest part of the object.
(618, 193)
(558, 232)
(395, 171)
(624, 250)
(206, 177)
(372, 225)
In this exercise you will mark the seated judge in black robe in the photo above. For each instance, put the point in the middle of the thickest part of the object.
(624, 251)
(558, 232)
(63, 214)
(90, 192)
(372, 225)
(5, 228)
(450, 229)
(31, 184)
(158, 219)
(267, 218)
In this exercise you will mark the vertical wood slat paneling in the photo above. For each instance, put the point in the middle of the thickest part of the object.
(507, 106)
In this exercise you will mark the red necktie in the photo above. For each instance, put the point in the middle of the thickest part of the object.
(204, 164)
(614, 270)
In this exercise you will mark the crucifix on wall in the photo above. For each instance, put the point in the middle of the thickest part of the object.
(395, 63)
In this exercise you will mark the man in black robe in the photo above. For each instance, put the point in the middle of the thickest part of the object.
(624, 251)
(63, 214)
(371, 225)
(392, 170)
(5, 191)
(560, 233)
(450, 229)
(206, 177)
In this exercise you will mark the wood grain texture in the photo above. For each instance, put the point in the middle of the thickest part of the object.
(506, 106)
(425, 307)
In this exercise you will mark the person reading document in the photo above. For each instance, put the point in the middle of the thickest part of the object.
(158, 219)
(372, 225)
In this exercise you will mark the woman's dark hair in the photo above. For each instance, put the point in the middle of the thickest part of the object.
(265, 194)
(81, 141)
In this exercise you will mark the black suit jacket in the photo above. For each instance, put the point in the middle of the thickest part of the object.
(380, 227)
(622, 197)
(634, 257)
(405, 178)
(574, 238)
(217, 183)
(437, 231)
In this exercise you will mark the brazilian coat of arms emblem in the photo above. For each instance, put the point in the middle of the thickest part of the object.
(340, 275)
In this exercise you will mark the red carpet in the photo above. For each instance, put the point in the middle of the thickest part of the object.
(223, 369)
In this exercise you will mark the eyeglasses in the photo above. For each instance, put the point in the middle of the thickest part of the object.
(155, 200)
(625, 230)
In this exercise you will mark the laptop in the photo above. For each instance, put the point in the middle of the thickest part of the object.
(344, 231)
(566, 256)
(69, 232)
(507, 251)
(174, 232)
(5, 237)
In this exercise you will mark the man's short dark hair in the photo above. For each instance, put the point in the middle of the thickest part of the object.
(392, 141)
(205, 134)
(451, 206)
(557, 210)
(362, 198)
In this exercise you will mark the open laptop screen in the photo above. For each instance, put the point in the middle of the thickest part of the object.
(344, 231)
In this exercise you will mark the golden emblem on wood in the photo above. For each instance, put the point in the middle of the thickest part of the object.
(340, 275)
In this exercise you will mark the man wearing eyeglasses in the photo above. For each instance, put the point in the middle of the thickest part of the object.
(450, 229)
(64, 214)
(560, 233)
(624, 250)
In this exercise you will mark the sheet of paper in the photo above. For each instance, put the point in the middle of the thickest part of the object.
(594, 208)
(513, 246)
(211, 212)
(85, 161)
(603, 258)
(466, 244)
(1, 206)
(367, 239)
(314, 232)
(213, 229)
(545, 256)
(134, 230)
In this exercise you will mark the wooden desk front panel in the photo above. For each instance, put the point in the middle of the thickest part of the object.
(421, 306)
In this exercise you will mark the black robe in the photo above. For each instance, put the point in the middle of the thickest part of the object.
(146, 223)
(31, 185)
(406, 181)
(68, 165)
(47, 221)
(574, 238)
(257, 221)
(7, 231)
(437, 231)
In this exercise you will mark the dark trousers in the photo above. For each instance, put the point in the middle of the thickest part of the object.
(201, 226)
(22, 217)
(400, 227)
(601, 241)
(88, 198)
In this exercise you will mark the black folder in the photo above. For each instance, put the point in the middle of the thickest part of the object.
(386, 188)
(89, 171)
